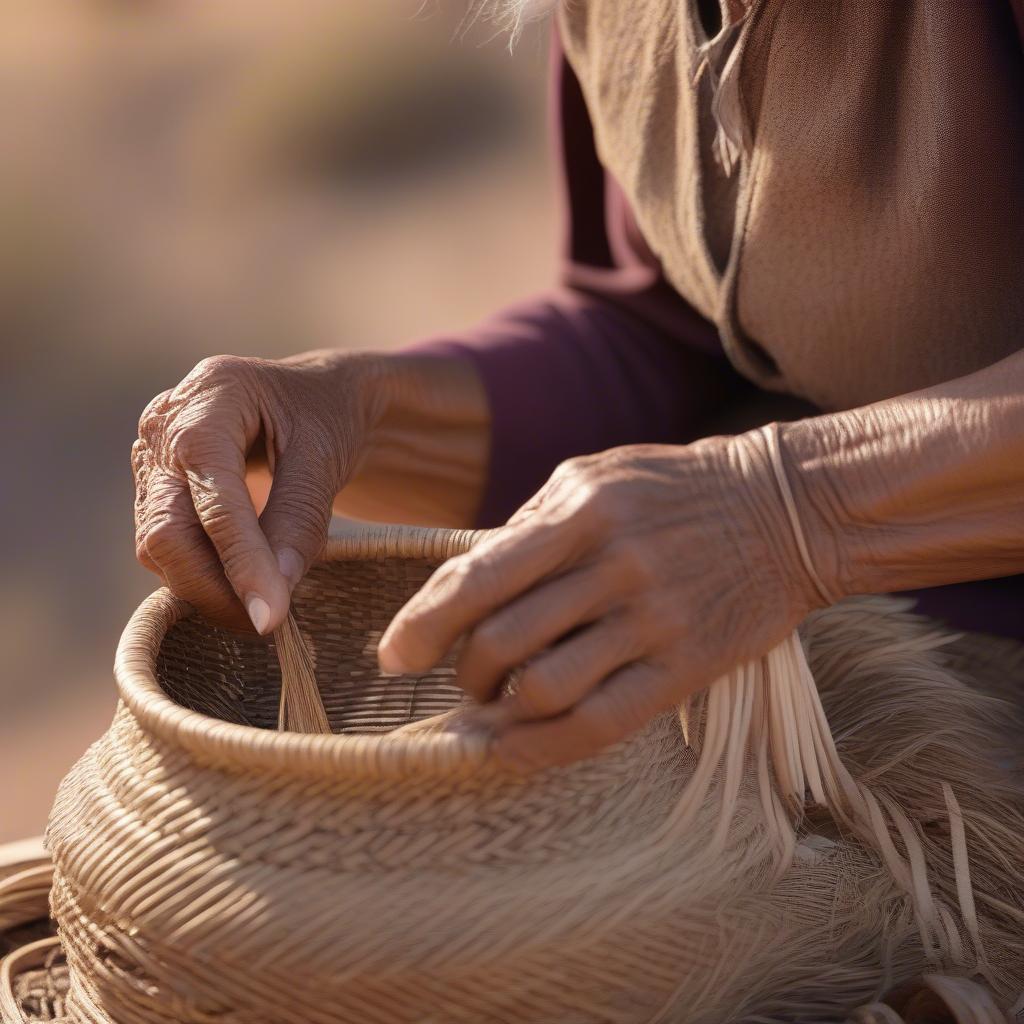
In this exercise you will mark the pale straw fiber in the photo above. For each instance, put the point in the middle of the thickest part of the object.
(300, 707)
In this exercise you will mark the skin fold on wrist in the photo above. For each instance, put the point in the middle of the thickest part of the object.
(426, 453)
(915, 491)
(758, 489)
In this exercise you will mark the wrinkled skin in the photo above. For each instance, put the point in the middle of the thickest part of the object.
(632, 579)
(195, 523)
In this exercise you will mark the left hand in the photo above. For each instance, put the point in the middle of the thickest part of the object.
(631, 580)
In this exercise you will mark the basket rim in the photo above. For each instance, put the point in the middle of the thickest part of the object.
(213, 741)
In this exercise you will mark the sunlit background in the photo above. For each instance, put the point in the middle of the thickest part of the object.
(183, 178)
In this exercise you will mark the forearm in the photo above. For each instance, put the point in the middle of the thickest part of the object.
(922, 490)
(469, 426)
(427, 454)
(474, 423)
(569, 374)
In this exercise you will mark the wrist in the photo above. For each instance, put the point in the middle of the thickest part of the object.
(825, 514)
(788, 546)
(440, 387)
(351, 390)
(426, 438)
(385, 388)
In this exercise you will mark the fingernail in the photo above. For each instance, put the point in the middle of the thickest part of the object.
(291, 564)
(259, 612)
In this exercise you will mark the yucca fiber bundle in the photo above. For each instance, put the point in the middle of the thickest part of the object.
(766, 855)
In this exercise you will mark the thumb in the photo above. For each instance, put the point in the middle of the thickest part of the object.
(298, 510)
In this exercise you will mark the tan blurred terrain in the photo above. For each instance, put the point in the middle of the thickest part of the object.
(184, 178)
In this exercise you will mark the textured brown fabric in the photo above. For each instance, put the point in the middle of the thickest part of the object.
(869, 243)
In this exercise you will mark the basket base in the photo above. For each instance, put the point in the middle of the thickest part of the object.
(33, 972)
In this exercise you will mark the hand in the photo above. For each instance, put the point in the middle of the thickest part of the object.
(631, 580)
(195, 522)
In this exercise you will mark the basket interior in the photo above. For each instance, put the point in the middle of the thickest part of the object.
(342, 609)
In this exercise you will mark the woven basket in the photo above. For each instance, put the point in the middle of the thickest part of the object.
(34, 972)
(209, 868)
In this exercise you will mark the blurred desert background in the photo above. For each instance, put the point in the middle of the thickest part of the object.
(180, 178)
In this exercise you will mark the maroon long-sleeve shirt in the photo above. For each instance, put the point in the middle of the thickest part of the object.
(614, 355)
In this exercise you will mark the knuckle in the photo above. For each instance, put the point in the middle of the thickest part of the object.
(491, 642)
(218, 366)
(631, 562)
(448, 579)
(647, 621)
(164, 538)
(153, 413)
(620, 641)
(140, 461)
(181, 444)
(597, 723)
(539, 692)
(192, 444)
(420, 611)
(586, 509)
(221, 525)
(569, 468)
(575, 479)
(578, 466)
(141, 552)
(474, 577)
(141, 506)
(596, 511)
(214, 512)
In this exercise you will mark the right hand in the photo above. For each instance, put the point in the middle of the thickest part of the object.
(195, 525)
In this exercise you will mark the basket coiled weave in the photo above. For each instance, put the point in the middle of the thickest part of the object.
(208, 868)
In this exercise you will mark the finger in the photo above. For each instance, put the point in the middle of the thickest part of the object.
(560, 678)
(298, 511)
(141, 470)
(466, 589)
(226, 512)
(626, 701)
(174, 542)
(524, 628)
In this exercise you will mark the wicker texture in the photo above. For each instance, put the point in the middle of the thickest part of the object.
(34, 977)
(210, 868)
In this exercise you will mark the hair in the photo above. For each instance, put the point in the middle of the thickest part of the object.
(509, 15)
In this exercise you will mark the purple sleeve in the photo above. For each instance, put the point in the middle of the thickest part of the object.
(614, 356)
(567, 374)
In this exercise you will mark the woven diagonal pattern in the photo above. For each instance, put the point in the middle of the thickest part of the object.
(209, 868)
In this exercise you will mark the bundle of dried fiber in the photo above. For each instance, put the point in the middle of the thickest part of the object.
(301, 708)
(844, 819)
(914, 737)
